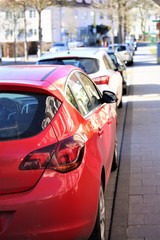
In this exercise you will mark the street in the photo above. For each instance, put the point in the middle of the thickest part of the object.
(132, 198)
(133, 192)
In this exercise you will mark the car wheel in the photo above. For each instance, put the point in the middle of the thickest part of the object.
(124, 90)
(115, 158)
(120, 104)
(131, 63)
(99, 231)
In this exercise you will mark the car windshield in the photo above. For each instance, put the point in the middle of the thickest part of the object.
(119, 48)
(89, 65)
(22, 115)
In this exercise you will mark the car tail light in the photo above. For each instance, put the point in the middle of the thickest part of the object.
(63, 156)
(101, 80)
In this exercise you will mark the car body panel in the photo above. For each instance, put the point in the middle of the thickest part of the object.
(124, 50)
(43, 203)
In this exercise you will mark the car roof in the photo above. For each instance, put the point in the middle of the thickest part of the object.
(33, 75)
(77, 52)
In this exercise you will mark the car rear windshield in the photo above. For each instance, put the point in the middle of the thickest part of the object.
(118, 48)
(121, 48)
(23, 115)
(89, 65)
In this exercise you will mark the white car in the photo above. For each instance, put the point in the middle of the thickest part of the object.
(0, 54)
(58, 46)
(132, 42)
(95, 62)
(124, 50)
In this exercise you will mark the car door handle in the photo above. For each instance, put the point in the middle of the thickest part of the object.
(100, 131)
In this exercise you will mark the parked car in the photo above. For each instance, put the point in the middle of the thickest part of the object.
(133, 43)
(124, 51)
(58, 146)
(131, 47)
(95, 62)
(0, 54)
(75, 44)
(58, 46)
(119, 66)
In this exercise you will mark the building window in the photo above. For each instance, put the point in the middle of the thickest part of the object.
(8, 15)
(32, 13)
(32, 32)
(9, 33)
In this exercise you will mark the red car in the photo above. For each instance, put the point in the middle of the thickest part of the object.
(58, 145)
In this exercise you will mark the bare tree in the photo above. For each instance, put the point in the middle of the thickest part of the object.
(143, 9)
(24, 6)
(40, 5)
(13, 17)
(119, 11)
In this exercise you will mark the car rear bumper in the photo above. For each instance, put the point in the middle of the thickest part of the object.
(63, 211)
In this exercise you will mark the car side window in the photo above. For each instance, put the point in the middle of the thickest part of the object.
(82, 93)
(121, 48)
(89, 85)
(71, 97)
(79, 94)
(91, 90)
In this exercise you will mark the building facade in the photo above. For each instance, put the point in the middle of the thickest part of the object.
(59, 24)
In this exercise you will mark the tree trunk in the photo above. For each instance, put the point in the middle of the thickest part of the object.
(120, 19)
(39, 50)
(25, 37)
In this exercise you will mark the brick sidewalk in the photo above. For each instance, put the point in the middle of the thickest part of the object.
(137, 204)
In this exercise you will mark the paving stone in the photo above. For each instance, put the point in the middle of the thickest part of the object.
(136, 214)
(136, 182)
(135, 208)
(135, 199)
(136, 219)
(142, 190)
(151, 198)
(143, 231)
(136, 169)
(152, 219)
(136, 238)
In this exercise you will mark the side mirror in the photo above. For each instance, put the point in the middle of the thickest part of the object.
(109, 97)
(121, 68)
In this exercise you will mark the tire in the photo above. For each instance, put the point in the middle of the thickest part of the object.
(115, 158)
(120, 104)
(124, 90)
(130, 63)
(99, 231)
